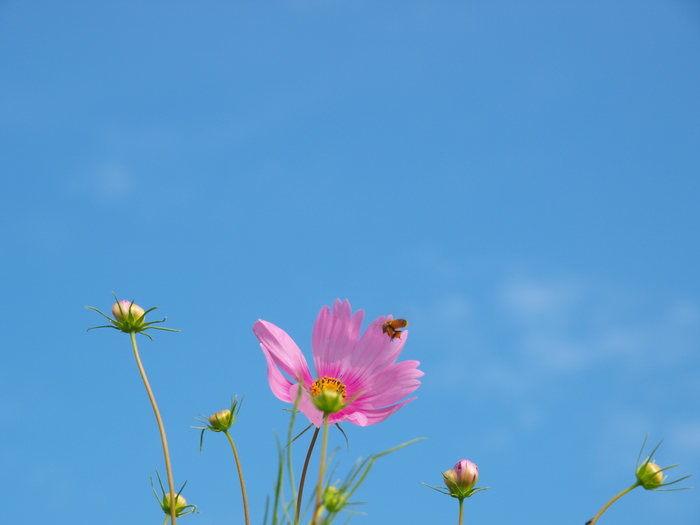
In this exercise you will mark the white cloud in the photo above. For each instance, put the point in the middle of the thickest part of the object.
(454, 309)
(559, 328)
(564, 326)
(113, 181)
(108, 181)
(528, 300)
(555, 354)
(684, 313)
(529, 417)
(686, 436)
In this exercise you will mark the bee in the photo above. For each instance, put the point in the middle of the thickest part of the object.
(391, 327)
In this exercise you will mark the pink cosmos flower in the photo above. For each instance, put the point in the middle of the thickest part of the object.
(362, 369)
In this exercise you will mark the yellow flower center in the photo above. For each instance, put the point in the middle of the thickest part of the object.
(328, 383)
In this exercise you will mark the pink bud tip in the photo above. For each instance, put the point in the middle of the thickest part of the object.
(462, 477)
(126, 307)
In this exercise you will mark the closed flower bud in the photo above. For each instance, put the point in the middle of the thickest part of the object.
(180, 503)
(129, 310)
(462, 478)
(334, 499)
(222, 420)
(130, 318)
(650, 475)
(461, 481)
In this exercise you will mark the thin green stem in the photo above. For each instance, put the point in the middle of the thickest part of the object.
(240, 477)
(605, 507)
(161, 428)
(166, 520)
(290, 440)
(321, 470)
(461, 511)
(303, 475)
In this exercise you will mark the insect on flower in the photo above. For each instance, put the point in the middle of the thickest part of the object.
(391, 327)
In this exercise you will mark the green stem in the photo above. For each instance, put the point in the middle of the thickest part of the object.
(605, 507)
(161, 428)
(461, 511)
(240, 477)
(290, 440)
(166, 520)
(303, 475)
(321, 470)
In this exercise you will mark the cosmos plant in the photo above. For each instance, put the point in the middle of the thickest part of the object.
(358, 379)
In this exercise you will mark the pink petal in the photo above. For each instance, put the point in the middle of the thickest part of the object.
(390, 386)
(283, 351)
(374, 352)
(334, 338)
(364, 418)
(279, 384)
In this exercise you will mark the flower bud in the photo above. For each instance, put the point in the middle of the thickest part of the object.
(222, 420)
(462, 478)
(180, 503)
(329, 401)
(129, 310)
(650, 475)
(334, 499)
(129, 318)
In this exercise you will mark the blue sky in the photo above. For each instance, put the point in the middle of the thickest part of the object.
(520, 180)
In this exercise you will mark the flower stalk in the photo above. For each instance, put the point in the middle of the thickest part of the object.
(222, 421)
(240, 477)
(161, 429)
(321, 470)
(302, 480)
(130, 318)
(593, 520)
